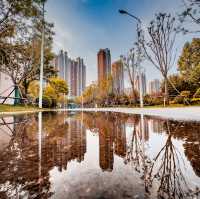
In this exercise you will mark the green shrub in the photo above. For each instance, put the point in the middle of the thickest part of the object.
(195, 101)
(149, 100)
(178, 100)
(46, 101)
(197, 94)
(183, 98)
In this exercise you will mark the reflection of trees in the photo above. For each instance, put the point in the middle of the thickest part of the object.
(189, 132)
(168, 171)
(20, 169)
(134, 149)
(166, 166)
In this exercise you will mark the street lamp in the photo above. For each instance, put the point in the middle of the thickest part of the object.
(42, 59)
(140, 72)
(129, 14)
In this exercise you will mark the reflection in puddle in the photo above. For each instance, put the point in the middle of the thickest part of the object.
(98, 155)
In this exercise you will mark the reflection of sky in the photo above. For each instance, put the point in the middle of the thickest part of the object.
(82, 27)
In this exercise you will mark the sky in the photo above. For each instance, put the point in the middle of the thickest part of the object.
(82, 27)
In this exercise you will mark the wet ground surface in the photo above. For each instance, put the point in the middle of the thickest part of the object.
(98, 155)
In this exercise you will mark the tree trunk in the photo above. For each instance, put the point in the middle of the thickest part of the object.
(166, 95)
(134, 94)
(25, 85)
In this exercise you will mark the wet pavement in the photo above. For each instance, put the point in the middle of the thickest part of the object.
(98, 155)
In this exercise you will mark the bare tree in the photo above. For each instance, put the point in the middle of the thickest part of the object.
(191, 11)
(159, 47)
(131, 63)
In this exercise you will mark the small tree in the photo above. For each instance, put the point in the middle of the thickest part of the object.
(159, 46)
(59, 85)
(56, 90)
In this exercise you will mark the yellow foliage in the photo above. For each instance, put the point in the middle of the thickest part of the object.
(33, 89)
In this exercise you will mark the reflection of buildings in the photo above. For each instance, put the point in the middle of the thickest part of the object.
(72, 71)
(120, 139)
(106, 158)
(104, 64)
(156, 125)
(112, 136)
(118, 77)
(71, 145)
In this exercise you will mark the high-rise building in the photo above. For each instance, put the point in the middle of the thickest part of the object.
(104, 64)
(73, 72)
(154, 86)
(81, 80)
(118, 77)
(144, 84)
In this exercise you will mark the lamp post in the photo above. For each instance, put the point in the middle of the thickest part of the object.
(82, 101)
(42, 59)
(140, 72)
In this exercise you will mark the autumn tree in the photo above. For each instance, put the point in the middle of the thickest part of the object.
(159, 45)
(33, 90)
(105, 90)
(55, 91)
(177, 84)
(20, 48)
(89, 95)
(49, 69)
(15, 12)
(189, 61)
(59, 85)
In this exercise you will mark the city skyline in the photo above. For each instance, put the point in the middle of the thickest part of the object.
(85, 26)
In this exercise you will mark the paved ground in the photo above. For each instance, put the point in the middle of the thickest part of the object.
(180, 113)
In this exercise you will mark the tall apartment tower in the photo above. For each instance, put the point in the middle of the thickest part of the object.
(81, 76)
(144, 83)
(73, 72)
(104, 64)
(118, 77)
(154, 86)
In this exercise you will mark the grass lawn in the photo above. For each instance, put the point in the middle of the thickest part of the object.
(12, 108)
